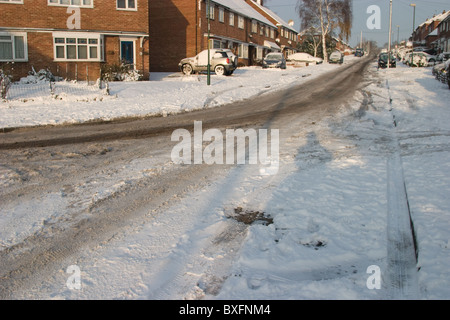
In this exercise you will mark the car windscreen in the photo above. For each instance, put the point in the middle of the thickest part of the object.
(273, 57)
(384, 56)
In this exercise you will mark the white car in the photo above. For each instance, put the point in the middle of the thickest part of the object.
(304, 57)
(417, 59)
(402, 53)
(431, 59)
(222, 62)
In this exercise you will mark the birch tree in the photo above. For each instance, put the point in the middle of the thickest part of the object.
(329, 15)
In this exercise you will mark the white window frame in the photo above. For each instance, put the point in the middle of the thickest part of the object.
(221, 14)
(12, 1)
(241, 22)
(58, 3)
(79, 35)
(231, 19)
(243, 51)
(259, 53)
(25, 46)
(211, 11)
(127, 8)
(254, 26)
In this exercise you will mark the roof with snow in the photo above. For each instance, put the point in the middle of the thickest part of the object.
(275, 17)
(243, 8)
(438, 17)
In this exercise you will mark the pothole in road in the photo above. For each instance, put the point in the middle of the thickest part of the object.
(250, 216)
(316, 244)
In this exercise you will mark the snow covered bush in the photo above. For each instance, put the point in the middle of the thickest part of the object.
(43, 75)
(120, 72)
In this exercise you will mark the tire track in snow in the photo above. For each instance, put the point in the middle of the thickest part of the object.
(402, 279)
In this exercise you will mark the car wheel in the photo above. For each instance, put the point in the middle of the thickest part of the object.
(187, 69)
(219, 70)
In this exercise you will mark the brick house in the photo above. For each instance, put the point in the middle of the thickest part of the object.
(443, 41)
(73, 38)
(426, 33)
(287, 35)
(179, 29)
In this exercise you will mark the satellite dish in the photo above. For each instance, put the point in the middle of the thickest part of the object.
(291, 23)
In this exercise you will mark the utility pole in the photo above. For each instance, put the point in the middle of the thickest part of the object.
(414, 27)
(390, 33)
(208, 14)
(360, 43)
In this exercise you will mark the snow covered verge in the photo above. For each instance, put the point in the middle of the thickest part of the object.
(330, 209)
(166, 93)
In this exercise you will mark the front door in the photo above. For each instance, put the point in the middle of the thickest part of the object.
(127, 52)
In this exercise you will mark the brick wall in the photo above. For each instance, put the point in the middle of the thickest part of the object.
(172, 33)
(36, 14)
(104, 16)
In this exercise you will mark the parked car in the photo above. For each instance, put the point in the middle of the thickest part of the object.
(383, 60)
(417, 59)
(222, 61)
(442, 57)
(437, 69)
(447, 71)
(304, 57)
(359, 52)
(274, 60)
(441, 71)
(336, 57)
(431, 59)
(401, 53)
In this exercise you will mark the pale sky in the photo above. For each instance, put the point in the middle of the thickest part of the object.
(402, 16)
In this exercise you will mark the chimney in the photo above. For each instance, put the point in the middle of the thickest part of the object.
(260, 2)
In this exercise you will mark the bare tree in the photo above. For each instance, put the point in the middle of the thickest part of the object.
(330, 15)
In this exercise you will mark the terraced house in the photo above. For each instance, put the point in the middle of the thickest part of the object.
(287, 35)
(74, 38)
(179, 29)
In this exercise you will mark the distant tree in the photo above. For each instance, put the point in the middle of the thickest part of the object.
(311, 42)
(330, 15)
